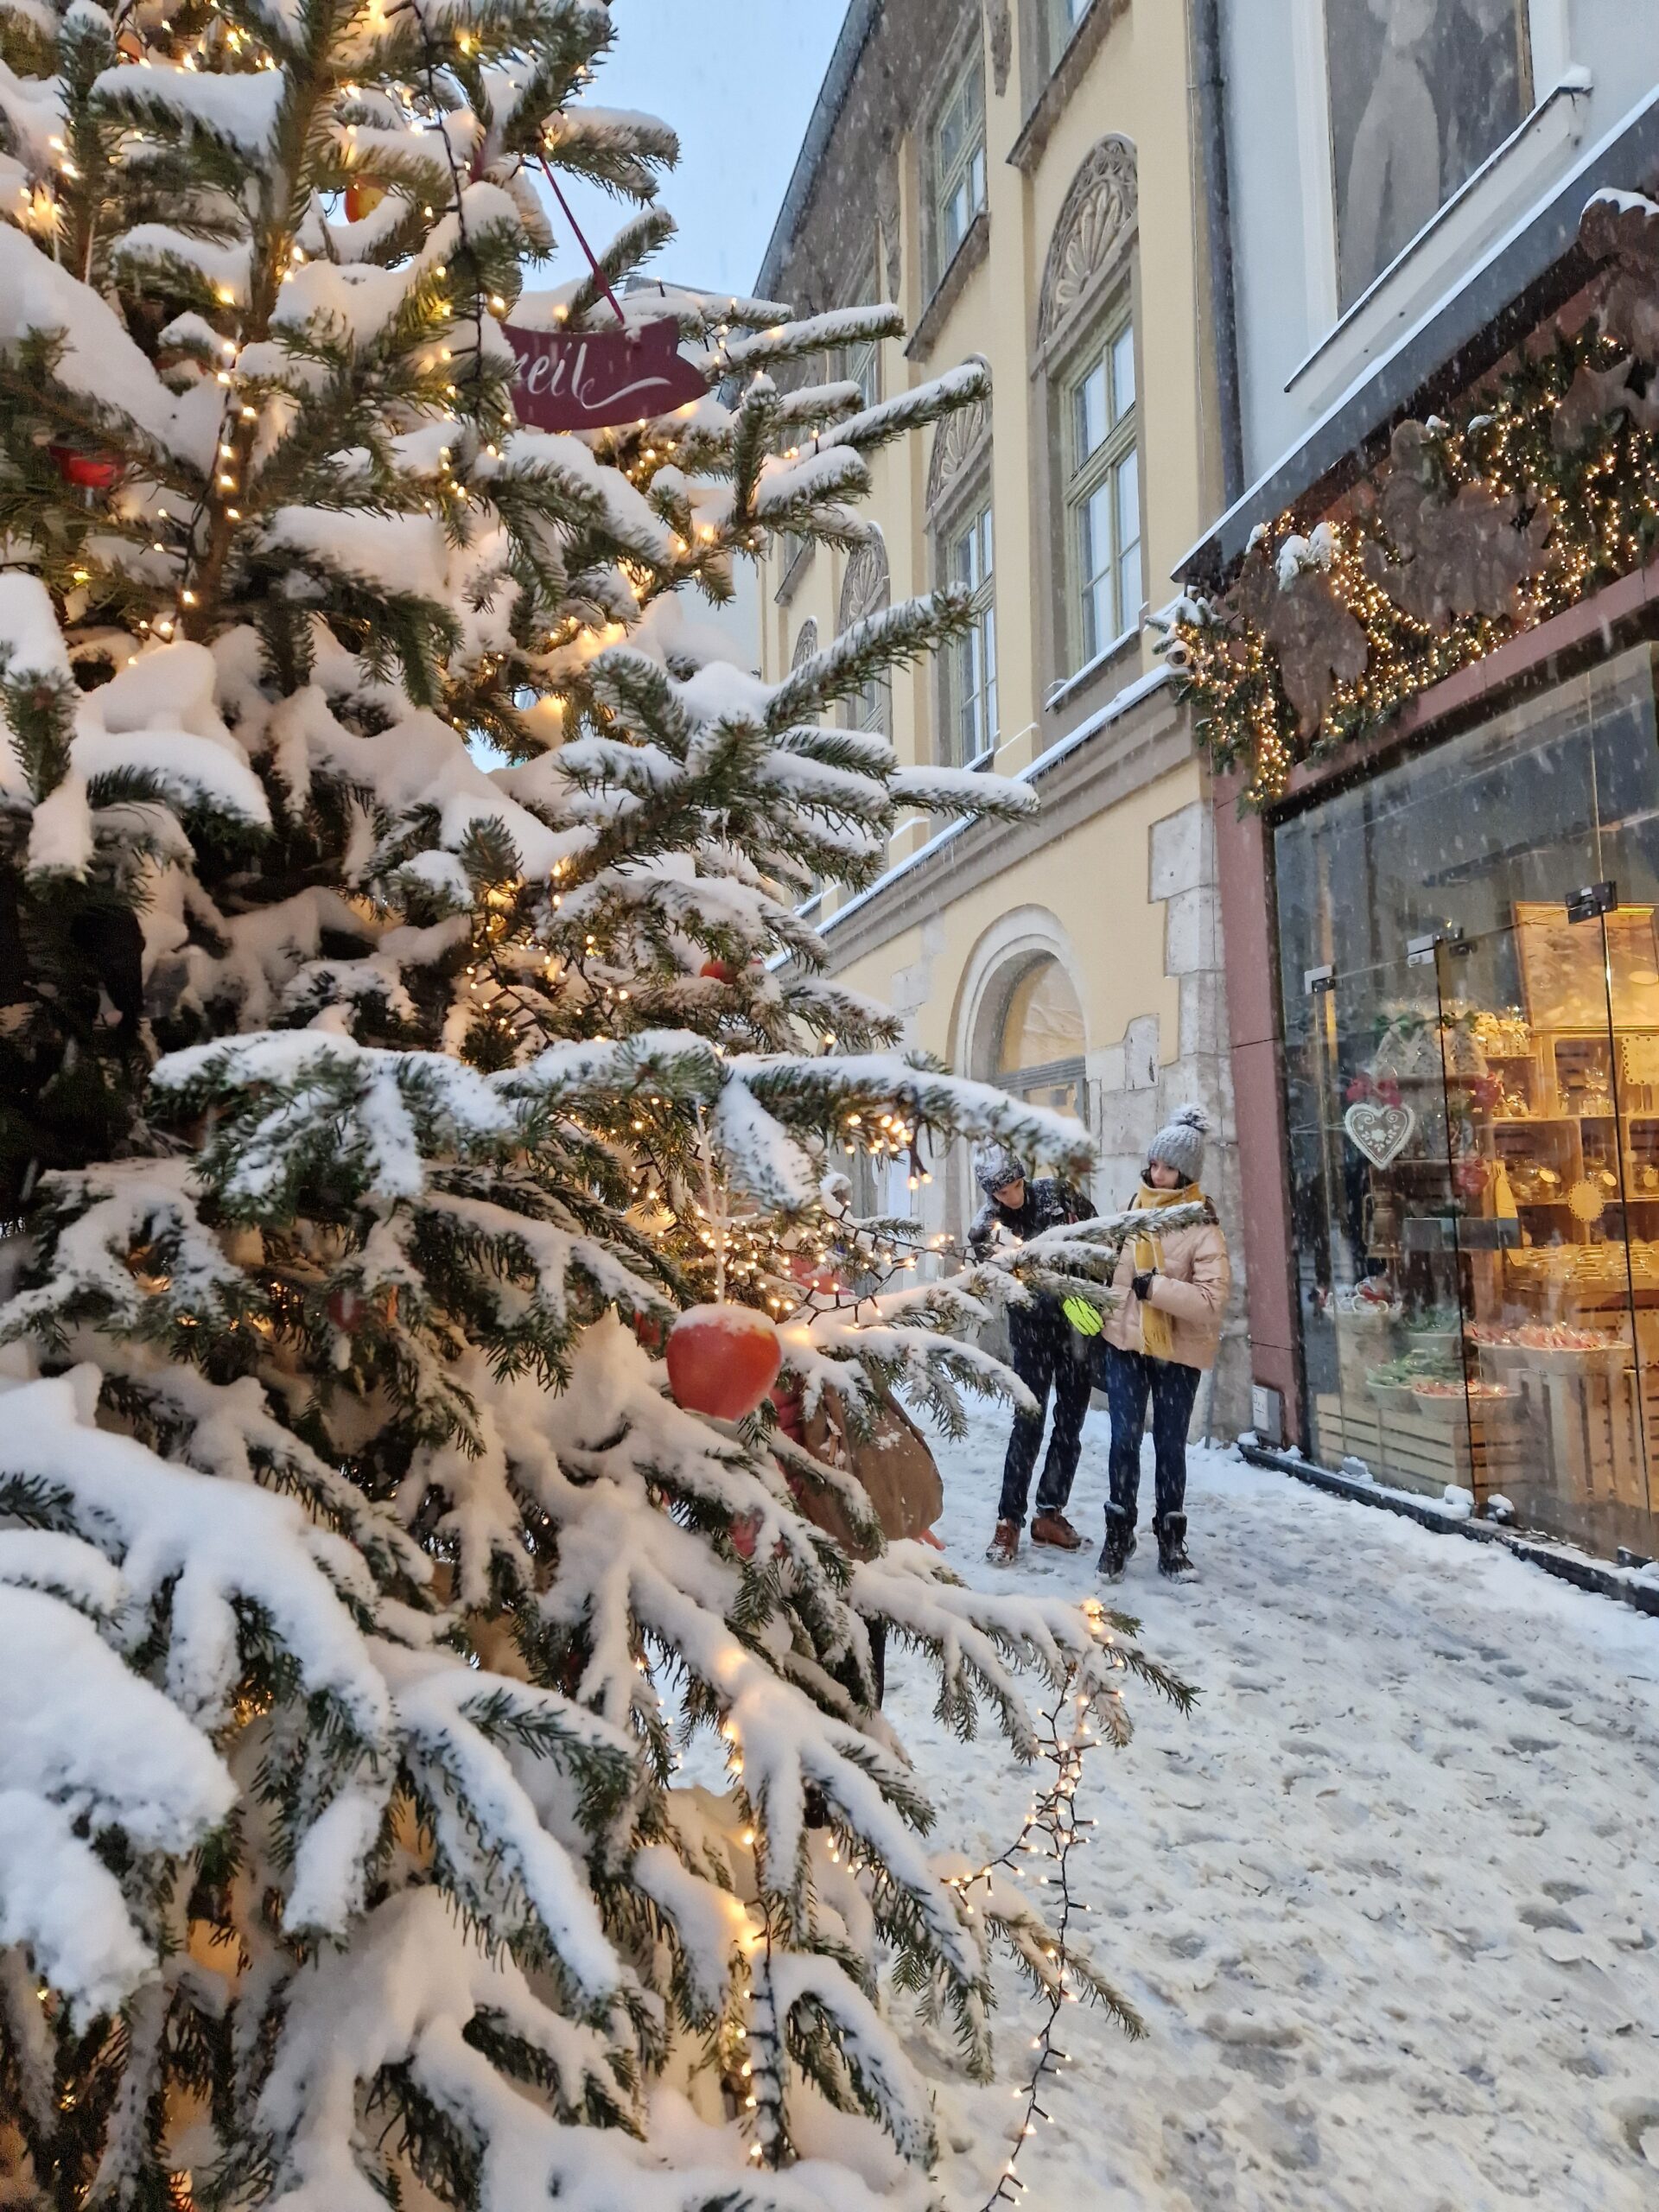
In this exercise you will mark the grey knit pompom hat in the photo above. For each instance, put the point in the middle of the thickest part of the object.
(1179, 1143)
(995, 1168)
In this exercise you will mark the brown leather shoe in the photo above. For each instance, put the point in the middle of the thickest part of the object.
(1056, 1531)
(1004, 1545)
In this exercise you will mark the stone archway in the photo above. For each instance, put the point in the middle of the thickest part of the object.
(1015, 951)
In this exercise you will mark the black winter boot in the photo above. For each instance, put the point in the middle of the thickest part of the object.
(1172, 1560)
(1115, 1552)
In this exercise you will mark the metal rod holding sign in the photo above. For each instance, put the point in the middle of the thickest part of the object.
(598, 379)
(581, 237)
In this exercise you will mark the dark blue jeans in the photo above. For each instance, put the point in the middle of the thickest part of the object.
(1048, 1353)
(1129, 1378)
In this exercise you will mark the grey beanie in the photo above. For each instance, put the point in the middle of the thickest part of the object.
(1179, 1143)
(996, 1168)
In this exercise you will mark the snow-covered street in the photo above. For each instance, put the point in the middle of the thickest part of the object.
(1389, 1900)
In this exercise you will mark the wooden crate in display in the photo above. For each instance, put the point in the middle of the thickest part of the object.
(1594, 1429)
(1425, 1451)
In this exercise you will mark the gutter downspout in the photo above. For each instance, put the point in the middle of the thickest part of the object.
(1219, 222)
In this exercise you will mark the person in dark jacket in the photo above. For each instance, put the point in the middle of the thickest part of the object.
(1048, 1353)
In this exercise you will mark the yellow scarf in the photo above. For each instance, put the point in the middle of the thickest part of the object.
(1157, 1330)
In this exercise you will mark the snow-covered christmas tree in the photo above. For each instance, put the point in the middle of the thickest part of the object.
(367, 1121)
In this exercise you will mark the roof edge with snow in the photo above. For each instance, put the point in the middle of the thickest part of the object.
(855, 29)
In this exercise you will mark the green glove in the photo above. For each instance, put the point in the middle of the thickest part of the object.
(1082, 1316)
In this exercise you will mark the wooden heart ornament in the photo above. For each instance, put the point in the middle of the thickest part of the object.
(1381, 1131)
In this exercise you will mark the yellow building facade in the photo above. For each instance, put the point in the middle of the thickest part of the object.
(1022, 180)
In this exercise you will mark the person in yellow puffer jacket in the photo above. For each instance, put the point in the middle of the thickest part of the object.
(1158, 1340)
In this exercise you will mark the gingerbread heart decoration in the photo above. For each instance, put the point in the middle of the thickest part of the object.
(1381, 1131)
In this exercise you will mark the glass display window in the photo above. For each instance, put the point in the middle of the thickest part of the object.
(1469, 972)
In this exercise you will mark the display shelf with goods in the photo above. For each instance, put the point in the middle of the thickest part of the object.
(1473, 1085)
(1551, 1177)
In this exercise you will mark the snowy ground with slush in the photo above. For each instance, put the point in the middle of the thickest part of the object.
(1389, 1900)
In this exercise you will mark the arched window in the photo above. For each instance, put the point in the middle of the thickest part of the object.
(806, 646)
(1086, 354)
(959, 522)
(867, 590)
(1039, 1039)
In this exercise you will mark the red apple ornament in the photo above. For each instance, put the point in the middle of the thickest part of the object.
(716, 970)
(88, 472)
(723, 1360)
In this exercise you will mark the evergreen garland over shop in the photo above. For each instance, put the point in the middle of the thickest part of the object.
(367, 1121)
(1539, 488)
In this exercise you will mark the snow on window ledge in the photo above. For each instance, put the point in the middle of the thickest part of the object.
(1069, 686)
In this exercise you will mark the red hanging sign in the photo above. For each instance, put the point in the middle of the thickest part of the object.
(595, 379)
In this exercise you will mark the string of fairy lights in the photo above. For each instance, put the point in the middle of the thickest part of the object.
(1599, 484)
(1052, 1817)
(753, 2054)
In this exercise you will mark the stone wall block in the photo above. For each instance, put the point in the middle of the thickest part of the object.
(1191, 939)
(1181, 850)
(1141, 1048)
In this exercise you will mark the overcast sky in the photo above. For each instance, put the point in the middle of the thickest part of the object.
(736, 78)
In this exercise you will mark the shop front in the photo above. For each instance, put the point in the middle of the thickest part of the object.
(1468, 986)
(1423, 659)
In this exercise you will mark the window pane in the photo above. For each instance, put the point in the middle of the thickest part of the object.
(1097, 617)
(1090, 408)
(1123, 373)
(1095, 570)
(951, 134)
(1128, 542)
(968, 687)
(860, 366)
(986, 561)
(1420, 96)
(1064, 16)
(1095, 535)
(1128, 501)
(976, 179)
(1128, 589)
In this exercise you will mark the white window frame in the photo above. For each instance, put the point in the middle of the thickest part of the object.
(869, 709)
(862, 365)
(955, 184)
(1111, 341)
(969, 731)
